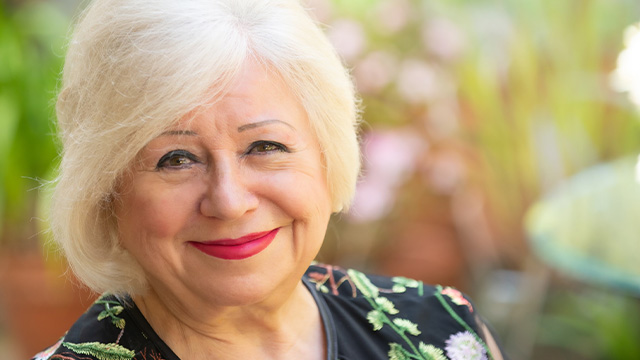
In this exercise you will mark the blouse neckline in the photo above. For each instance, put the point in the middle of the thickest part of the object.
(327, 321)
(325, 315)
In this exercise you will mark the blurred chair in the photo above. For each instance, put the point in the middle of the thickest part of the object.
(589, 227)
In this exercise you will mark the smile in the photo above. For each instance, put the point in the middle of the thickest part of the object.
(237, 249)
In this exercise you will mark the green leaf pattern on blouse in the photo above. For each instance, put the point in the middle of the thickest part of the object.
(383, 308)
(463, 345)
(431, 352)
(111, 310)
(101, 351)
(400, 284)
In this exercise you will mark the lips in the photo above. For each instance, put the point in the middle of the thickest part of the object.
(237, 249)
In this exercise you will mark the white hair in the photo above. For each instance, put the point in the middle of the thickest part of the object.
(135, 67)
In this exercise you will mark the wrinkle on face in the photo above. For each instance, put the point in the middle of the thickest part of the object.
(161, 208)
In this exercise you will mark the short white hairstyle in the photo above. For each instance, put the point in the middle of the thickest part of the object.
(135, 67)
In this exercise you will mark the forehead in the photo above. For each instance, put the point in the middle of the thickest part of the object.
(254, 77)
(256, 93)
(257, 81)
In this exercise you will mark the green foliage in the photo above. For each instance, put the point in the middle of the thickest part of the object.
(31, 42)
(404, 325)
(363, 284)
(112, 312)
(595, 323)
(397, 352)
(101, 351)
(550, 113)
(376, 318)
(530, 92)
(431, 352)
(402, 283)
(532, 106)
(386, 305)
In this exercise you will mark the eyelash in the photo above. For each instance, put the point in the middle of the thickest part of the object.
(278, 147)
(162, 163)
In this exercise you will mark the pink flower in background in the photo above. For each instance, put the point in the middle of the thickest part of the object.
(391, 155)
(375, 71)
(373, 200)
(417, 81)
(443, 38)
(389, 159)
(394, 15)
(348, 37)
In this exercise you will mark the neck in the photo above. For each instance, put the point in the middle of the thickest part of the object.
(287, 327)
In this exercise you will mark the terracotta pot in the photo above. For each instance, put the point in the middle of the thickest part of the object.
(39, 303)
(425, 251)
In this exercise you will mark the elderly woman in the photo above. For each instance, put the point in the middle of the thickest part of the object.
(205, 145)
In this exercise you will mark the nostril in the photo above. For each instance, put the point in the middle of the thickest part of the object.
(228, 197)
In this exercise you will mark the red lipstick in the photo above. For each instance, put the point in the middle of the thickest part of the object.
(237, 249)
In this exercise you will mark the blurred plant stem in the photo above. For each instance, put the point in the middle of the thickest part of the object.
(549, 112)
(519, 89)
(593, 322)
(31, 43)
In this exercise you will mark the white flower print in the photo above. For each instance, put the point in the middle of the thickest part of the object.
(465, 346)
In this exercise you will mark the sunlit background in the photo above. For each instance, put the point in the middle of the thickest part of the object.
(499, 147)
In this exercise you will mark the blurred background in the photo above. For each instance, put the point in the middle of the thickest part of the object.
(499, 158)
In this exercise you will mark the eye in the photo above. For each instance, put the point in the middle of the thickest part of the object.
(264, 147)
(176, 159)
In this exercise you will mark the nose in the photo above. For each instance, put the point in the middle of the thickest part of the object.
(228, 195)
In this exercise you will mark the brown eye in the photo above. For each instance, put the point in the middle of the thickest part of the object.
(263, 147)
(176, 159)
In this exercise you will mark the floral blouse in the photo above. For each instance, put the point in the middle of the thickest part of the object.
(365, 318)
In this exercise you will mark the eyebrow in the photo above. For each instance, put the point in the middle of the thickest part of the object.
(262, 123)
(179, 132)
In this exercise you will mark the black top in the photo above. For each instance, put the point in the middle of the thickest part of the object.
(365, 318)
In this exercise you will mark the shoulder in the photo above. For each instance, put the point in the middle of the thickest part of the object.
(105, 331)
(398, 316)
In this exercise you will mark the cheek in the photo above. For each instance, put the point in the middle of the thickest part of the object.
(151, 214)
(302, 193)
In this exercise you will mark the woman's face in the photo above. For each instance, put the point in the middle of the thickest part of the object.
(232, 205)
